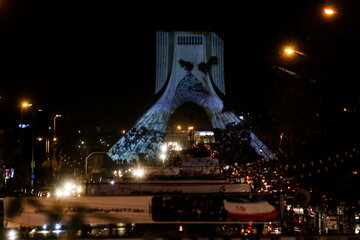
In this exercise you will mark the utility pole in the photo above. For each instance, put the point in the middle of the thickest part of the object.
(54, 143)
(32, 178)
(23, 170)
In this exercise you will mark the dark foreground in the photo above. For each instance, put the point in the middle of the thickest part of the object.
(164, 232)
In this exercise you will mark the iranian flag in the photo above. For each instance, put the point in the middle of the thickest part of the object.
(247, 210)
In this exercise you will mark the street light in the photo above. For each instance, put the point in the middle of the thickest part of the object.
(54, 140)
(329, 11)
(32, 178)
(289, 51)
(23, 105)
(86, 168)
(86, 160)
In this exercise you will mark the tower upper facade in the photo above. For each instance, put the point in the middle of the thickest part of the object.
(202, 54)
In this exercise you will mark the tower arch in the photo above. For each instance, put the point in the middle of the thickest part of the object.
(184, 70)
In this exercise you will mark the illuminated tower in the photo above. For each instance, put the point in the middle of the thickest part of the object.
(189, 65)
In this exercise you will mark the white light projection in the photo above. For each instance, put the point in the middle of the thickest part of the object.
(189, 66)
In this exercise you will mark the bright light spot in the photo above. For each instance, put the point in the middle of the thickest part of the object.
(289, 50)
(241, 117)
(118, 173)
(329, 11)
(44, 226)
(69, 186)
(112, 182)
(163, 156)
(181, 228)
(206, 133)
(357, 229)
(138, 172)
(68, 189)
(12, 234)
(26, 104)
(163, 148)
(174, 146)
(58, 193)
(178, 127)
(57, 226)
(78, 189)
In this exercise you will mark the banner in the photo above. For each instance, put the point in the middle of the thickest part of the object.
(35, 211)
(216, 208)
(246, 210)
(175, 208)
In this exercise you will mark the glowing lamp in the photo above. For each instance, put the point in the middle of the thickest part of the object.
(329, 11)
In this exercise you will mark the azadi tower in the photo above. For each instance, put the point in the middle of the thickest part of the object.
(189, 66)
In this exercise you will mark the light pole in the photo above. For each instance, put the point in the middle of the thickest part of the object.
(86, 160)
(86, 168)
(289, 52)
(32, 147)
(54, 140)
(24, 105)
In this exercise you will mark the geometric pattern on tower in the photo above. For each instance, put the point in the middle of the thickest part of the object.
(190, 89)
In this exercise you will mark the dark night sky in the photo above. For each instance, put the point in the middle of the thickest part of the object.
(97, 60)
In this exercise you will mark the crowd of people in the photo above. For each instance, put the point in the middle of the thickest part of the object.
(139, 144)
(233, 144)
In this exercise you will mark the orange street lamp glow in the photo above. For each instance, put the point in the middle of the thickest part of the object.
(26, 104)
(289, 51)
(329, 11)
